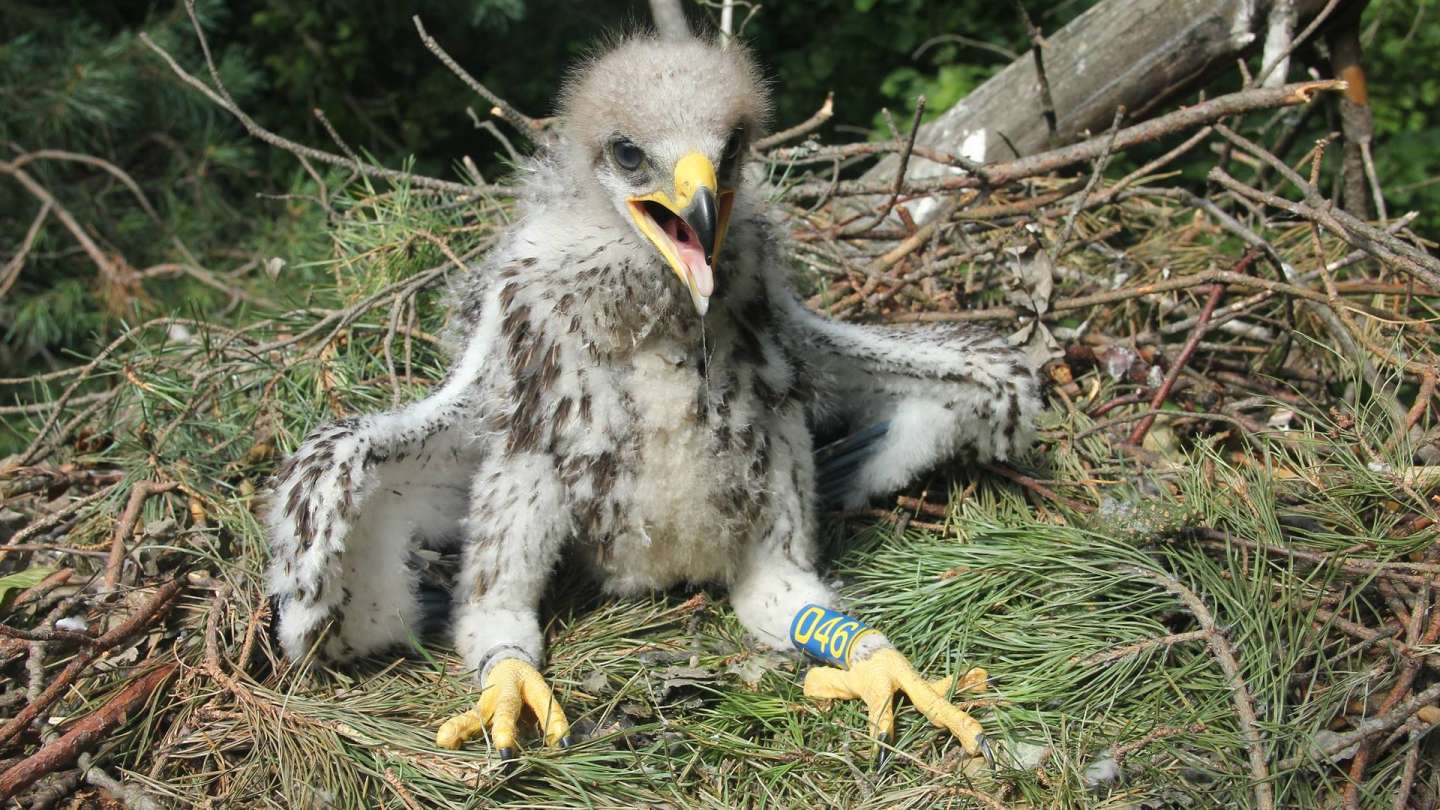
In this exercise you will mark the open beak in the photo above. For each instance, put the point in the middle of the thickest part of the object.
(689, 227)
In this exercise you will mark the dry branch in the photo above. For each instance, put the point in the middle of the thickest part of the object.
(997, 174)
(1240, 693)
(1120, 53)
(527, 126)
(151, 611)
(85, 733)
(126, 526)
(222, 99)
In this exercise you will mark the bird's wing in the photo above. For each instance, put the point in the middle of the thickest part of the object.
(350, 505)
(892, 402)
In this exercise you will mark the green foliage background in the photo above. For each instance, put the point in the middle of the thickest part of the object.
(74, 77)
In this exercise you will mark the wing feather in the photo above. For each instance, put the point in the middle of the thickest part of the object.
(902, 400)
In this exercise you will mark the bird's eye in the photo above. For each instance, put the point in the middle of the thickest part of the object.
(627, 154)
(732, 146)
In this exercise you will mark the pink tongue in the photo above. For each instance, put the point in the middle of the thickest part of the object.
(691, 255)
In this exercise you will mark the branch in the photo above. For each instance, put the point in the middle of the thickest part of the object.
(1207, 112)
(1366, 729)
(98, 257)
(670, 20)
(1202, 325)
(805, 127)
(527, 126)
(299, 150)
(1225, 656)
(126, 527)
(17, 262)
(138, 620)
(85, 733)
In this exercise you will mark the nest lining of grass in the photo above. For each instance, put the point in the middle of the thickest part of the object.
(1216, 609)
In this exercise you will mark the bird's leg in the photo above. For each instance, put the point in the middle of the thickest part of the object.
(868, 667)
(516, 528)
(780, 601)
(779, 597)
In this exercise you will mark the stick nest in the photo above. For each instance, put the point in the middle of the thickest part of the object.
(1214, 581)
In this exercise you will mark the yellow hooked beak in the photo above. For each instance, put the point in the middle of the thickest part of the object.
(688, 228)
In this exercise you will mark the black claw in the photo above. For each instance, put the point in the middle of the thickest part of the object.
(566, 741)
(508, 754)
(985, 751)
(882, 750)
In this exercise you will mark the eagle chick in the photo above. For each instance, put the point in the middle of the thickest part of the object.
(635, 383)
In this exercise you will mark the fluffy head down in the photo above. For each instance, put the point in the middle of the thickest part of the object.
(653, 138)
(652, 91)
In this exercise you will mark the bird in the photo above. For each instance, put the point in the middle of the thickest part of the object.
(635, 385)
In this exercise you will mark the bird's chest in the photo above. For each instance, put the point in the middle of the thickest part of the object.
(679, 520)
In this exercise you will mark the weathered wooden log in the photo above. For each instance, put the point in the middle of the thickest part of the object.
(1132, 53)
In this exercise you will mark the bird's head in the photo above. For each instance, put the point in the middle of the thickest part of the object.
(661, 129)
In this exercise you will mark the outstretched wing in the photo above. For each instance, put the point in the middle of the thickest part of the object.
(350, 507)
(892, 402)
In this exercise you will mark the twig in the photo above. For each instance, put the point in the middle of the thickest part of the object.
(1201, 327)
(997, 174)
(97, 256)
(889, 206)
(961, 39)
(526, 125)
(393, 780)
(46, 634)
(1407, 774)
(1422, 399)
(12, 269)
(134, 797)
(1157, 733)
(1129, 650)
(1368, 158)
(85, 733)
(876, 269)
(1097, 171)
(141, 618)
(1366, 729)
(1111, 296)
(1376, 241)
(1240, 694)
(814, 122)
(1408, 670)
(42, 588)
(1006, 471)
(1396, 570)
(1037, 46)
(1271, 64)
(126, 526)
(58, 516)
(300, 150)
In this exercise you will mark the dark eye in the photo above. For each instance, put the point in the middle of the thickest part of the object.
(732, 146)
(627, 154)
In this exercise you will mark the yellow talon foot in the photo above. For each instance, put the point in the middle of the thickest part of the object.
(511, 685)
(878, 677)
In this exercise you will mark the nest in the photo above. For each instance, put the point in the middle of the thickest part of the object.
(1215, 581)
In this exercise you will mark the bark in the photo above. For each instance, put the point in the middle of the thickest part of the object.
(84, 734)
(1132, 53)
(1355, 123)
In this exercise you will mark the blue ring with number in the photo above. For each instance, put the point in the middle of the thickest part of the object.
(825, 634)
